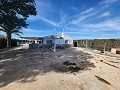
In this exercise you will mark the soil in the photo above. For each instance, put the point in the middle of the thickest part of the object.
(66, 69)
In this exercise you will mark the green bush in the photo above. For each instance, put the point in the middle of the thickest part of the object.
(98, 44)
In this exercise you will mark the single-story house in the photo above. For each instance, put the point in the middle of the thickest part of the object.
(68, 40)
(59, 41)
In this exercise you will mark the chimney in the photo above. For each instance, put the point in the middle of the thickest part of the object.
(62, 33)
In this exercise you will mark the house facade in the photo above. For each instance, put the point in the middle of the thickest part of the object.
(67, 39)
(59, 41)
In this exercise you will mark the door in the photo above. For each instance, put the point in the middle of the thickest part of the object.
(75, 44)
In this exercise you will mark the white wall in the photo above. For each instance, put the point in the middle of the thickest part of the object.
(45, 40)
(69, 42)
(59, 41)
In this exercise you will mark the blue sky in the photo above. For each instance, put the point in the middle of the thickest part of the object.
(82, 19)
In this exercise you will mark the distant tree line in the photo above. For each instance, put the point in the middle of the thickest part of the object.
(99, 44)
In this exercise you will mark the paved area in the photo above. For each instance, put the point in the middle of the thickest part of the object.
(42, 69)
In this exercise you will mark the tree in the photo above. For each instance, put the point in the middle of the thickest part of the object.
(93, 44)
(13, 16)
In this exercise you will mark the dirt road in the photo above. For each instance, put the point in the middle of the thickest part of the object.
(66, 69)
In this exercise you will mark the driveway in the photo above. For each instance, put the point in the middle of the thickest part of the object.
(66, 69)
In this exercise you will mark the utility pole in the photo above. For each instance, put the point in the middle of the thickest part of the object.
(62, 32)
(105, 46)
(86, 43)
(54, 45)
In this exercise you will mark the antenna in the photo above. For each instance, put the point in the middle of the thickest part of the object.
(63, 29)
(62, 33)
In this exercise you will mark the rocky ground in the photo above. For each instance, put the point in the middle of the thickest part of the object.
(66, 69)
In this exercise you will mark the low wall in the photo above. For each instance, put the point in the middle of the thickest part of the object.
(30, 46)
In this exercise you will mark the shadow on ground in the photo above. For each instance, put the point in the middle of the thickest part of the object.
(25, 65)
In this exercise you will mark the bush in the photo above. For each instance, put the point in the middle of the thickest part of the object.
(98, 44)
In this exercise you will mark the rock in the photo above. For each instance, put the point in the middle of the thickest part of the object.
(73, 68)
(68, 63)
(101, 60)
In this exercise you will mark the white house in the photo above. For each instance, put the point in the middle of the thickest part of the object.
(68, 40)
(59, 41)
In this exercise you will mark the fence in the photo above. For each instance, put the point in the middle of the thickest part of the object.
(99, 44)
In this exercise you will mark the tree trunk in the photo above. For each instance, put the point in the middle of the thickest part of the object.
(93, 44)
(104, 48)
(8, 41)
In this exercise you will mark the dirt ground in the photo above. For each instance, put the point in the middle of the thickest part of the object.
(66, 69)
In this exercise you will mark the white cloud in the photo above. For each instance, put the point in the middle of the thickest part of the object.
(90, 12)
(108, 25)
(108, 1)
(87, 11)
(31, 30)
(81, 18)
(74, 8)
(105, 14)
(40, 18)
(50, 22)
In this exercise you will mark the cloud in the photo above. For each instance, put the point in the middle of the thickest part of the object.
(90, 12)
(50, 22)
(63, 18)
(108, 25)
(74, 8)
(108, 1)
(41, 4)
(105, 14)
(87, 11)
(81, 18)
(40, 18)
(26, 30)
(93, 11)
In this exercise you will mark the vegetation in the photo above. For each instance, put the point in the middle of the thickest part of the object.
(13, 16)
(100, 44)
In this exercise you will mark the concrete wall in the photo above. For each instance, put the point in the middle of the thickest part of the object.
(45, 40)
(57, 41)
(113, 50)
(69, 41)
(30, 46)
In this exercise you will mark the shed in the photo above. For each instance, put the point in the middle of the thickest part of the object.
(115, 50)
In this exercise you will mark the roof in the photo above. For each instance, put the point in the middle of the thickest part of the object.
(31, 38)
(53, 37)
(65, 36)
